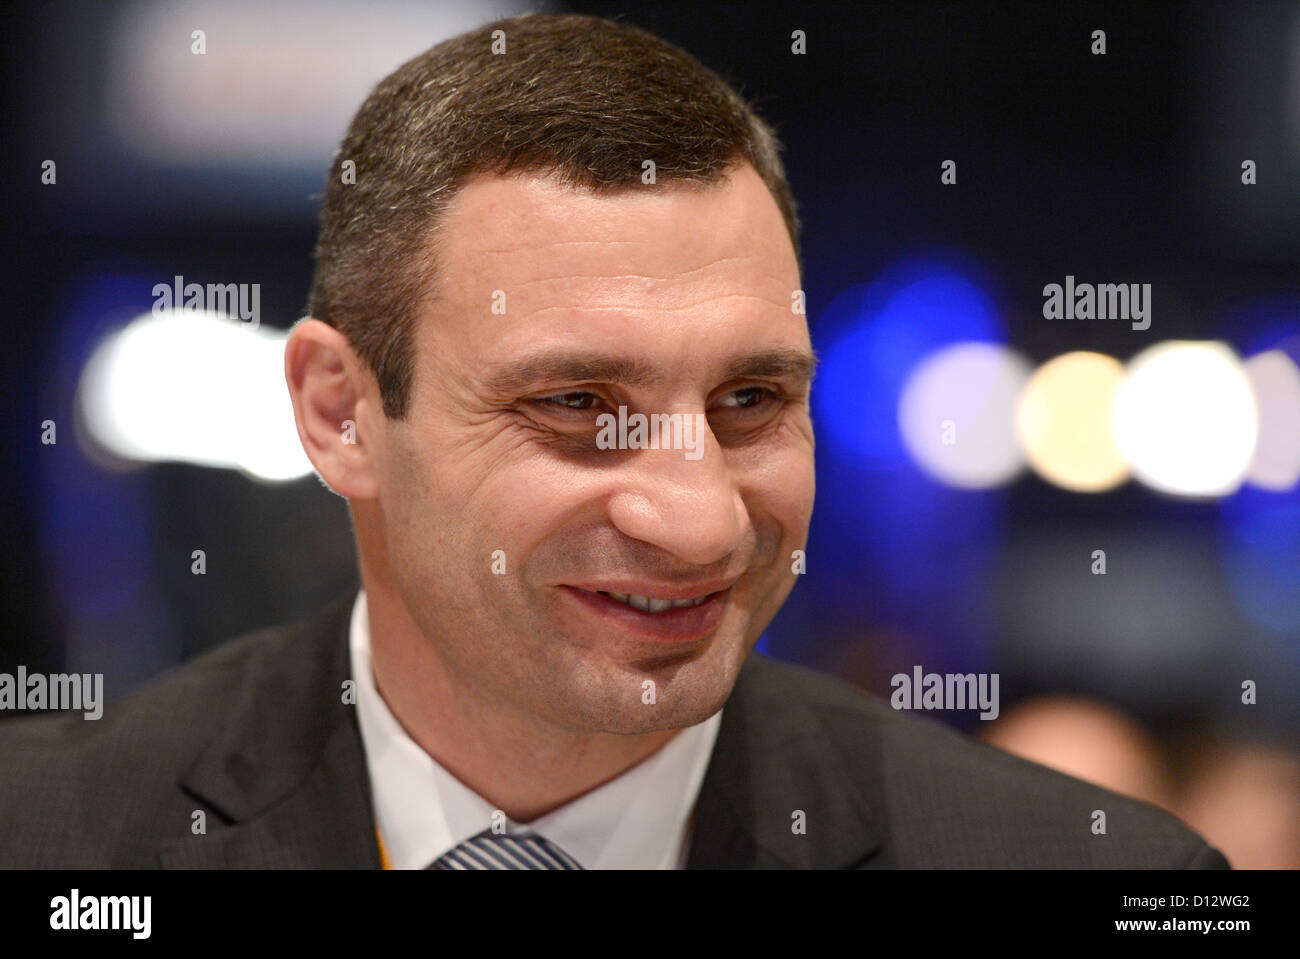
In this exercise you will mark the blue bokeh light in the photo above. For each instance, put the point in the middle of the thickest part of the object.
(873, 335)
(1260, 528)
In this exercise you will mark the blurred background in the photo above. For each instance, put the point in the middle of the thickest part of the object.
(1106, 517)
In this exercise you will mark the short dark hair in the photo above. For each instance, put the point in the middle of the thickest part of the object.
(584, 98)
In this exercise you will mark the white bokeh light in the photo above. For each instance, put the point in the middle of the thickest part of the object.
(194, 388)
(1185, 418)
(1276, 384)
(957, 414)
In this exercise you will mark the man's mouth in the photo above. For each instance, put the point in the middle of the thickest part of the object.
(648, 604)
(688, 613)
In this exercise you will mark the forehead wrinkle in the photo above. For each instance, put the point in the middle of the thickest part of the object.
(675, 275)
(529, 247)
(641, 310)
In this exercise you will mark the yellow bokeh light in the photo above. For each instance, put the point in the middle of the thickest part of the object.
(1063, 421)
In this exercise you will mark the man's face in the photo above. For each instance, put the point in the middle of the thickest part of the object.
(661, 300)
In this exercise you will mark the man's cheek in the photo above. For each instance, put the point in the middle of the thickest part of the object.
(802, 485)
(785, 489)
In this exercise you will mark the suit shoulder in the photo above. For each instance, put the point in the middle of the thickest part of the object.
(182, 703)
(74, 786)
(949, 800)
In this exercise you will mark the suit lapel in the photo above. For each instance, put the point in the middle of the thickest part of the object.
(288, 771)
(777, 769)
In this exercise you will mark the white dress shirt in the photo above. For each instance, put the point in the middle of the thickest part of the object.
(639, 820)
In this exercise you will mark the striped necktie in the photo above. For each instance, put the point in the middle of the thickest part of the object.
(488, 850)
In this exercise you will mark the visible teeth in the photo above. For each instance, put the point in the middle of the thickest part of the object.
(648, 604)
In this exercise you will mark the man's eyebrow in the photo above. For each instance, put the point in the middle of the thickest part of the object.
(570, 368)
(526, 374)
(775, 363)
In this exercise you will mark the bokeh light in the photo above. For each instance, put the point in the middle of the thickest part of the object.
(194, 387)
(1275, 380)
(872, 335)
(1185, 418)
(1064, 422)
(957, 414)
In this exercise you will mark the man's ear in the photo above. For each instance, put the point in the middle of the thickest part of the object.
(335, 404)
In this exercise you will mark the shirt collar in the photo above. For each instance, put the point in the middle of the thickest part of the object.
(638, 820)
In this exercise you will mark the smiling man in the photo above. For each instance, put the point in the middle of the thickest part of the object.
(528, 681)
(529, 230)
(543, 613)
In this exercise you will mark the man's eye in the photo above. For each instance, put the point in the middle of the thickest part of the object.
(571, 401)
(748, 398)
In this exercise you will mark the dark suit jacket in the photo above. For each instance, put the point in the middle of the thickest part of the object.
(256, 735)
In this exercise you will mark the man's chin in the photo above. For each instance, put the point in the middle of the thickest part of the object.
(642, 723)
(673, 695)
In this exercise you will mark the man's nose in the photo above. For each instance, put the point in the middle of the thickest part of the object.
(689, 507)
